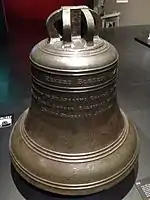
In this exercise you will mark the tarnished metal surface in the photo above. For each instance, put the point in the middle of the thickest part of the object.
(74, 139)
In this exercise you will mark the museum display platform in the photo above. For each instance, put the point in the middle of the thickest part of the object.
(133, 98)
(144, 38)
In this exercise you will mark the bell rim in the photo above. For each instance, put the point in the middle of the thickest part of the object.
(114, 177)
(86, 188)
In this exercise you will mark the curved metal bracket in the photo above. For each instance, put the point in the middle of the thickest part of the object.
(71, 23)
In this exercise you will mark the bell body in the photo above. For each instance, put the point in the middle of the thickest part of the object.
(74, 139)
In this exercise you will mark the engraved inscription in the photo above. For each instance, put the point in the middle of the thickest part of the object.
(69, 81)
(111, 91)
(66, 115)
(94, 80)
(74, 105)
(99, 79)
(51, 79)
(80, 107)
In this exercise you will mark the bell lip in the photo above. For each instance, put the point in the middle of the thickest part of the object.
(80, 189)
(77, 189)
(91, 185)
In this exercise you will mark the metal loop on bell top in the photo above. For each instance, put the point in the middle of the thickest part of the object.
(52, 31)
(71, 24)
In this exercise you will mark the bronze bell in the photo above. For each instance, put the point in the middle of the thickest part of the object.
(74, 139)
